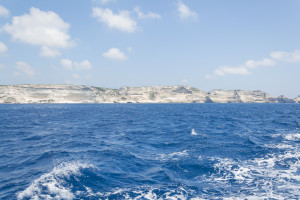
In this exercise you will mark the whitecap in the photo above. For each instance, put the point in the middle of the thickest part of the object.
(173, 156)
(276, 175)
(279, 146)
(150, 193)
(51, 185)
(293, 137)
(193, 132)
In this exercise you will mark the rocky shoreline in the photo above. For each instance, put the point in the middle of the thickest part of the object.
(154, 94)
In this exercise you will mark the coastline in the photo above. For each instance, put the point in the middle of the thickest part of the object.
(77, 94)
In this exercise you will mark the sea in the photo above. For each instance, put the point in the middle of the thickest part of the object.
(149, 151)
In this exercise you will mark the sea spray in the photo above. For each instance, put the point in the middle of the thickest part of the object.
(53, 185)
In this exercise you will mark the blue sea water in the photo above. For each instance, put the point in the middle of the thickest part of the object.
(150, 151)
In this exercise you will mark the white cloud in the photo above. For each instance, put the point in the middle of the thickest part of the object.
(222, 71)
(83, 65)
(69, 64)
(48, 52)
(185, 12)
(257, 63)
(286, 56)
(3, 48)
(24, 67)
(40, 28)
(2, 66)
(121, 21)
(4, 12)
(114, 54)
(149, 15)
(245, 68)
(66, 63)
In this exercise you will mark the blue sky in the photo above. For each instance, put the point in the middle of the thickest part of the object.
(208, 44)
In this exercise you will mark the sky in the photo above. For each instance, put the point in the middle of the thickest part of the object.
(207, 44)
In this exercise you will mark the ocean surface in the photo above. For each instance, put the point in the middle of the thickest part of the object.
(150, 151)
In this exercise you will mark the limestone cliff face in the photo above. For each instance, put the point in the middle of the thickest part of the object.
(282, 99)
(159, 94)
(297, 99)
(47, 94)
(238, 96)
(155, 94)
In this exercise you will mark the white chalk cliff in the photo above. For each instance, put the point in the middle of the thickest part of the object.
(297, 99)
(155, 94)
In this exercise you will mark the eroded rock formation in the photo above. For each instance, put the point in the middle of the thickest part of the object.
(155, 94)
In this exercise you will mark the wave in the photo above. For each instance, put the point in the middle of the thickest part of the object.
(289, 136)
(173, 156)
(52, 185)
(279, 146)
(274, 176)
(193, 132)
(293, 137)
(148, 193)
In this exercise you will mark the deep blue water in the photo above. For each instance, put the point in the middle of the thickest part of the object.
(150, 151)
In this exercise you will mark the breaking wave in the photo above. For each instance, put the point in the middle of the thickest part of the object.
(193, 132)
(55, 184)
(274, 176)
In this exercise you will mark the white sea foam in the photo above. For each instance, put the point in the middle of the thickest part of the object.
(293, 137)
(143, 192)
(193, 132)
(51, 185)
(289, 137)
(173, 156)
(275, 176)
(276, 135)
(150, 193)
(279, 146)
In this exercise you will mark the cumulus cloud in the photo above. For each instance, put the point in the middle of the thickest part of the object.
(48, 52)
(4, 12)
(245, 69)
(114, 54)
(121, 21)
(83, 65)
(149, 15)
(222, 71)
(286, 56)
(3, 48)
(69, 64)
(250, 64)
(185, 12)
(24, 67)
(40, 28)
